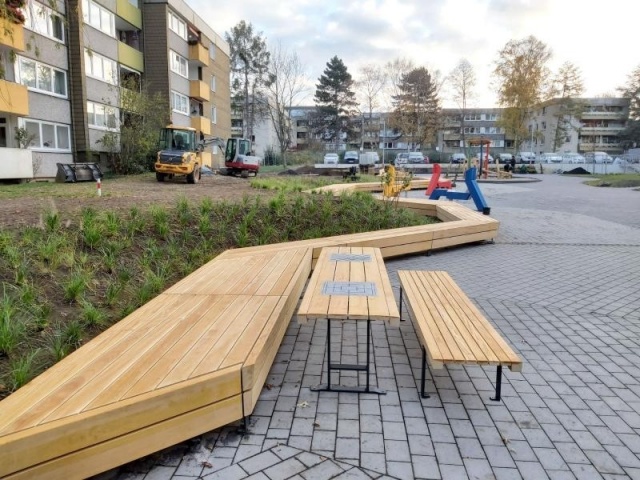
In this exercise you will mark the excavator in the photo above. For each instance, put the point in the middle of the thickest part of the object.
(180, 154)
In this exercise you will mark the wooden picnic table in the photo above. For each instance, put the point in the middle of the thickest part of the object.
(349, 283)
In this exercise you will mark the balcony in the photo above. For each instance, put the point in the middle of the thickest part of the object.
(199, 54)
(130, 57)
(12, 35)
(203, 124)
(603, 115)
(601, 130)
(14, 98)
(128, 12)
(199, 90)
(599, 147)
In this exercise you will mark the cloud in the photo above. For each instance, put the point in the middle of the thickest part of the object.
(439, 34)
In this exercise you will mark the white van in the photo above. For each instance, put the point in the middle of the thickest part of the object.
(369, 158)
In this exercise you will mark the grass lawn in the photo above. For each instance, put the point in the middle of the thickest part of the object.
(616, 180)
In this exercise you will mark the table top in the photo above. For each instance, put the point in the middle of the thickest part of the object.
(349, 283)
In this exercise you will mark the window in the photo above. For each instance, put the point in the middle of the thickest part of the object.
(177, 25)
(44, 21)
(212, 51)
(100, 67)
(214, 115)
(213, 83)
(41, 77)
(99, 17)
(179, 64)
(179, 103)
(47, 135)
(102, 116)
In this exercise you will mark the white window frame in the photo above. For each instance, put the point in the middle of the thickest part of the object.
(90, 57)
(22, 122)
(177, 25)
(213, 83)
(214, 114)
(183, 100)
(39, 66)
(179, 64)
(93, 108)
(212, 50)
(110, 28)
(39, 18)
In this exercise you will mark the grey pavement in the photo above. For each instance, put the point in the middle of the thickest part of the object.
(561, 283)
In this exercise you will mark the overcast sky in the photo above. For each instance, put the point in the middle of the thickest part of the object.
(601, 38)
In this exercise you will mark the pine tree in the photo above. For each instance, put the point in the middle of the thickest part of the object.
(335, 101)
(416, 107)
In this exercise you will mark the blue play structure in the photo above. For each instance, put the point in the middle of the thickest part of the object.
(474, 192)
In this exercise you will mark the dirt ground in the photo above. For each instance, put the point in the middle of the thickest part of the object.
(142, 191)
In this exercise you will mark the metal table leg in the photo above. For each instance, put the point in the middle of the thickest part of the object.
(366, 368)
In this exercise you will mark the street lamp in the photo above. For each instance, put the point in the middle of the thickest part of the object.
(384, 143)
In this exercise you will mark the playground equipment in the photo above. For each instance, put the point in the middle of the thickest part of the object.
(473, 192)
(484, 157)
(435, 180)
(394, 182)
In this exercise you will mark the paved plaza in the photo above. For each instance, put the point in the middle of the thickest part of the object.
(562, 285)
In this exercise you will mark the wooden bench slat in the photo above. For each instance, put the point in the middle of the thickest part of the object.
(48, 399)
(166, 361)
(450, 326)
(338, 304)
(493, 345)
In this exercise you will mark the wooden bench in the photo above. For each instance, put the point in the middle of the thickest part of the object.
(450, 328)
(193, 359)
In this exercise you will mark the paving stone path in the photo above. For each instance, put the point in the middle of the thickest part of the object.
(561, 283)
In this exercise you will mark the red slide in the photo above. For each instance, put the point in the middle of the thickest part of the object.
(435, 181)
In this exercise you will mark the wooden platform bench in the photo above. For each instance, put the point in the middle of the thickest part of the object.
(450, 328)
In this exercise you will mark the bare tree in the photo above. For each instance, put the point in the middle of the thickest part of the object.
(394, 71)
(462, 81)
(249, 60)
(370, 85)
(567, 85)
(285, 83)
(521, 73)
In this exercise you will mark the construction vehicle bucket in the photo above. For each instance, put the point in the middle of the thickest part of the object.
(78, 172)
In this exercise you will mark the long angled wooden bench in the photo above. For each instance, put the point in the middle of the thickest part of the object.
(450, 328)
(193, 359)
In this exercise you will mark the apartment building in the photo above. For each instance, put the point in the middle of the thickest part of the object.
(596, 126)
(34, 94)
(264, 136)
(476, 122)
(72, 60)
(190, 61)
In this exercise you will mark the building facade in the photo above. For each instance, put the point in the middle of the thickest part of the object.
(73, 58)
(35, 107)
(596, 126)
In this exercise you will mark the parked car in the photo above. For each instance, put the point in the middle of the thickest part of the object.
(458, 158)
(504, 158)
(351, 156)
(484, 155)
(598, 157)
(331, 158)
(525, 157)
(401, 158)
(417, 158)
(550, 158)
(573, 158)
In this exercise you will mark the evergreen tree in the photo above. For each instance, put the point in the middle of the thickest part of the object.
(335, 101)
(416, 107)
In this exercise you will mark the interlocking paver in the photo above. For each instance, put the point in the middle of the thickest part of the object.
(559, 284)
